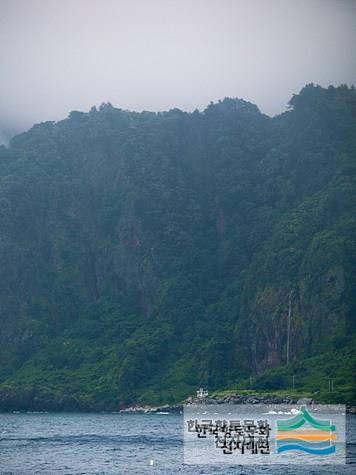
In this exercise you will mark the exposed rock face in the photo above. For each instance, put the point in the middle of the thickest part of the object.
(244, 399)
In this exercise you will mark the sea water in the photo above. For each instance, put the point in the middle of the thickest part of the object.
(108, 444)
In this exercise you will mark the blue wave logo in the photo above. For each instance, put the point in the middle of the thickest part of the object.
(306, 433)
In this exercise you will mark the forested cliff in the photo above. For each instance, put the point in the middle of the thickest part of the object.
(144, 254)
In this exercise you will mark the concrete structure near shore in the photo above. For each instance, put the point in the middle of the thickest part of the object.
(202, 393)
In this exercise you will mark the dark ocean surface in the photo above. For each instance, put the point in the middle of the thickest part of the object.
(108, 444)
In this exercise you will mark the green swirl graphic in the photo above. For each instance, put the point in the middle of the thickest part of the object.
(303, 417)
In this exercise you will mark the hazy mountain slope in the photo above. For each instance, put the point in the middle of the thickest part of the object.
(144, 254)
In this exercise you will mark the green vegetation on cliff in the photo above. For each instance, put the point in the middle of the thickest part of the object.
(144, 254)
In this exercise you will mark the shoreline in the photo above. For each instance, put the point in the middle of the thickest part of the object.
(70, 404)
(233, 400)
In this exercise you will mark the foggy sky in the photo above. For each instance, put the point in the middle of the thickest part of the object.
(63, 55)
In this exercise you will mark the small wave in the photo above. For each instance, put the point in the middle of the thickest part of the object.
(87, 438)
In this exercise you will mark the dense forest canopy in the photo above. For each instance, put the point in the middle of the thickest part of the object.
(144, 254)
